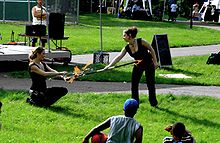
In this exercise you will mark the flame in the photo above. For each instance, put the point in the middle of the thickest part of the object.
(76, 70)
(88, 63)
(76, 73)
(71, 80)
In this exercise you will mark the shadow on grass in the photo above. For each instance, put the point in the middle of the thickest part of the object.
(66, 111)
(204, 122)
(182, 71)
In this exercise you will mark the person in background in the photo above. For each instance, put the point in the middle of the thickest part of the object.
(140, 50)
(208, 13)
(39, 18)
(39, 71)
(173, 10)
(179, 134)
(123, 128)
(195, 13)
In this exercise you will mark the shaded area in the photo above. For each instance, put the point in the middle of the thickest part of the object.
(182, 71)
(13, 66)
(195, 120)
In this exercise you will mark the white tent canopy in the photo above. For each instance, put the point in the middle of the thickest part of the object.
(203, 9)
(216, 3)
(143, 4)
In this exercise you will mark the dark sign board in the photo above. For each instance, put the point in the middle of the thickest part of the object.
(162, 49)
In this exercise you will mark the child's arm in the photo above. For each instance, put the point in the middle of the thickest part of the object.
(139, 135)
(104, 125)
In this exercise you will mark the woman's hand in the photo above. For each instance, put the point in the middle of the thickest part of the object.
(63, 73)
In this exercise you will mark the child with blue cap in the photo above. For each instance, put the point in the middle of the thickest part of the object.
(123, 128)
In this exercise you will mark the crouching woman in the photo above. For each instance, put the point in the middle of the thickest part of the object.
(39, 71)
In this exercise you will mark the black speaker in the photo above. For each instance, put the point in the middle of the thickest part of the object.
(35, 30)
(29, 30)
(56, 25)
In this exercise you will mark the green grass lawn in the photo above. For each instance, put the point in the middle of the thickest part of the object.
(193, 66)
(85, 37)
(70, 119)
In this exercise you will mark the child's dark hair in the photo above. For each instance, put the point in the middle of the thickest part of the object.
(131, 31)
(178, 129)
(34, 53)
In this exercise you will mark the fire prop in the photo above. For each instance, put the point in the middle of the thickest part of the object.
(76, 72)
(85, 71)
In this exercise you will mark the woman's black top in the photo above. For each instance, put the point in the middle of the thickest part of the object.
(142, 53)
(38, 81)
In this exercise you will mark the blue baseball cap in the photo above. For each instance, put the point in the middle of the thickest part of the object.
(130, 104)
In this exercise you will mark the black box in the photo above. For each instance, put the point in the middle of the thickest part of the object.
(56, 25)
(101, 57)
(35, 30)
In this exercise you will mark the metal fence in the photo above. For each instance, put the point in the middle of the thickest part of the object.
(20, 10)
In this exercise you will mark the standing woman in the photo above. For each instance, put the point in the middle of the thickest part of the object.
(139, 49)
(40, 95)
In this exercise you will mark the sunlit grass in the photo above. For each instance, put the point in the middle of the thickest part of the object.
(74, 115)
(193, 66)
(85, 37)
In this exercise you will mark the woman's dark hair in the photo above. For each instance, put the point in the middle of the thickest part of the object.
(131, 31)
(34, 53)
(178, 129)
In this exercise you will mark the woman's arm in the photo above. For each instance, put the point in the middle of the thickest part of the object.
(46, 74)
(150, 48)
(53, 70)
(34, 12)
(104, 125)
(49, 68)
(117, 58)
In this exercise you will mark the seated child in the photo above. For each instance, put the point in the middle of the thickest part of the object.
(123, 128)
(179, 134)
